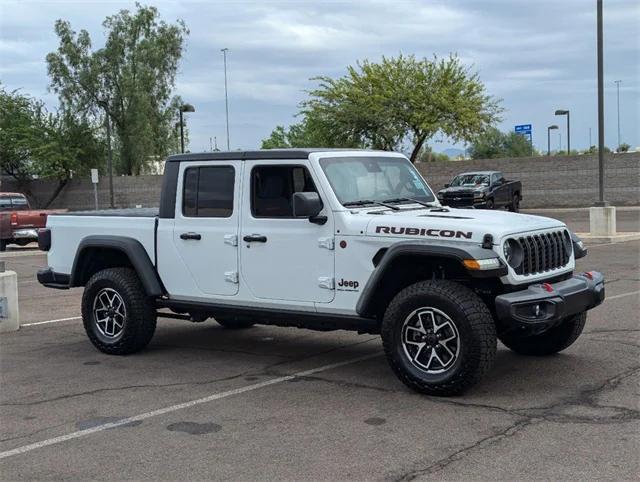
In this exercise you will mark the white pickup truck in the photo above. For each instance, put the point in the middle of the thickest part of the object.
(326, 239)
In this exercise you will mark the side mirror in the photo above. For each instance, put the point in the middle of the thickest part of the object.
(306, 205)
(447, 185)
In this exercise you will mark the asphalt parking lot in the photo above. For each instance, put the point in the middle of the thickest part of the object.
(282, 403)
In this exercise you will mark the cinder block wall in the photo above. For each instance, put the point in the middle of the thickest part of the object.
(563, 181)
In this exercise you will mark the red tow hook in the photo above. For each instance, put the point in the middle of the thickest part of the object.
(588, 274)
(547, 287)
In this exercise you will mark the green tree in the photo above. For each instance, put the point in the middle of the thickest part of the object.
(34, 142)
(130, 81)
(493, 144)
(383, 105)
(624, 147)
(426, 154)
(310, 132)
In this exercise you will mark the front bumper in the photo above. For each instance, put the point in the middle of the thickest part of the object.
(541, 306)
(26, 233)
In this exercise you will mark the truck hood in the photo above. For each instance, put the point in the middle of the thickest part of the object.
(461, 189)
(455, 224)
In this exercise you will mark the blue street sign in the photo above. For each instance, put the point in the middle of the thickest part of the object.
(524, 130)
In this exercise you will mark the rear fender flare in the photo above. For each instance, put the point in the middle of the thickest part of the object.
(130, 247)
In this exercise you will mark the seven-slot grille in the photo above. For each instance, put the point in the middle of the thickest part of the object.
(544, 252)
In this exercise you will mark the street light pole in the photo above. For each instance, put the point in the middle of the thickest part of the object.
(549, 129)
(184, 108)
(566, 112)
(181, 133)
(601, 201)
(226, 97)
(617, 82)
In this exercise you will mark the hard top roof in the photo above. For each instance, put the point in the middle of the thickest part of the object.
(258, 155)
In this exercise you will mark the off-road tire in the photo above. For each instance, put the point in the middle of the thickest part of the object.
(472, 320)
(140, 322)
(490, 204)
(551, 341)
(514, 207)
(231, 324)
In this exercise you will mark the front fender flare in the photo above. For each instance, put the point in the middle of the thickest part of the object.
(366, 302)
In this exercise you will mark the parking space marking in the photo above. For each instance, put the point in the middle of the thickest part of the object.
(51, 321)
(180, 406)
(622, 295)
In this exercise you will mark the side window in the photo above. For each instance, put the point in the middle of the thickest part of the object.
(5, 203)
(495, 179)
(272, 189)
(19, 203)
(208, 192)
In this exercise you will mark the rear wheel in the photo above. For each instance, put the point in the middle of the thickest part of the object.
(551, 341)
(118, 316)
(515, 203)
(439, 337)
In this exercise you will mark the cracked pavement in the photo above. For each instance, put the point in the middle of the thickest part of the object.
(575, 415)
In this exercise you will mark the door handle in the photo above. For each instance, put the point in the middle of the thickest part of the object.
(194, 236)
(255, 238)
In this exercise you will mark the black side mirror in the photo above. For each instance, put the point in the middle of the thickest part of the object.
(307, 205)
(447, 185)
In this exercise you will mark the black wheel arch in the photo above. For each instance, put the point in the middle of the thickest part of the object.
(405, 263)
(100, 252)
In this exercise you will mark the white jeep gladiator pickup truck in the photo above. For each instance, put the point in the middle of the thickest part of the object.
(326, 239)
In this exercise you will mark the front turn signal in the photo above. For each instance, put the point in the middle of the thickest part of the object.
(481, 264)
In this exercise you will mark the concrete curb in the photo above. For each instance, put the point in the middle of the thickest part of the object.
(588, 238)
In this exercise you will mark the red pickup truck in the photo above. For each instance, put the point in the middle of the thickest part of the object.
(19, 223)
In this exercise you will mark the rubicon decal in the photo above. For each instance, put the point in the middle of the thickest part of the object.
(438, 233)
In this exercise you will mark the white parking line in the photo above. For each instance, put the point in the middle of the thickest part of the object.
(180, 406)
(622, 295)
(51, 321)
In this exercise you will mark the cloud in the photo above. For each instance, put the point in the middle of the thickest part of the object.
(536, 56)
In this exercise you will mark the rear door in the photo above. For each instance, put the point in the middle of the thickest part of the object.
(284, 257)
(205, 232)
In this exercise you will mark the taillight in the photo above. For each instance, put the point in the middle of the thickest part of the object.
(14, 219)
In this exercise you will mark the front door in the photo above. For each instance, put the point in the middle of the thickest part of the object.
(206, 225)
(283, 257)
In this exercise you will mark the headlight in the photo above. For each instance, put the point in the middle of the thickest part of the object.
(479, 195)
(440, 196)
(512, 253)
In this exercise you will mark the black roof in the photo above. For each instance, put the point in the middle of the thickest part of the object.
(258, 155)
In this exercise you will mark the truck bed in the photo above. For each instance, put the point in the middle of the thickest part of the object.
(69, 229)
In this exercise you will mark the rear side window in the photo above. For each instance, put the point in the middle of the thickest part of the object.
(19, 202)
(208, 192)
(5, 203)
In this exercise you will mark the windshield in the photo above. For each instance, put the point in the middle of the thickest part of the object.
(471, 180)
(357, 179)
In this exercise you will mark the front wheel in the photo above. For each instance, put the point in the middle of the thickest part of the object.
(549, 342)
(439, 337)
(118, 316)
(490, 204)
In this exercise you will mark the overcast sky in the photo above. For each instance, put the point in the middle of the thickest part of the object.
(537, 55)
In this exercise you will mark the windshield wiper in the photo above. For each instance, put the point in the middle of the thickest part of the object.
(401, 199)
(367, 201)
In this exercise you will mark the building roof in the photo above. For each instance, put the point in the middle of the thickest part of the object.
(258, 155)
